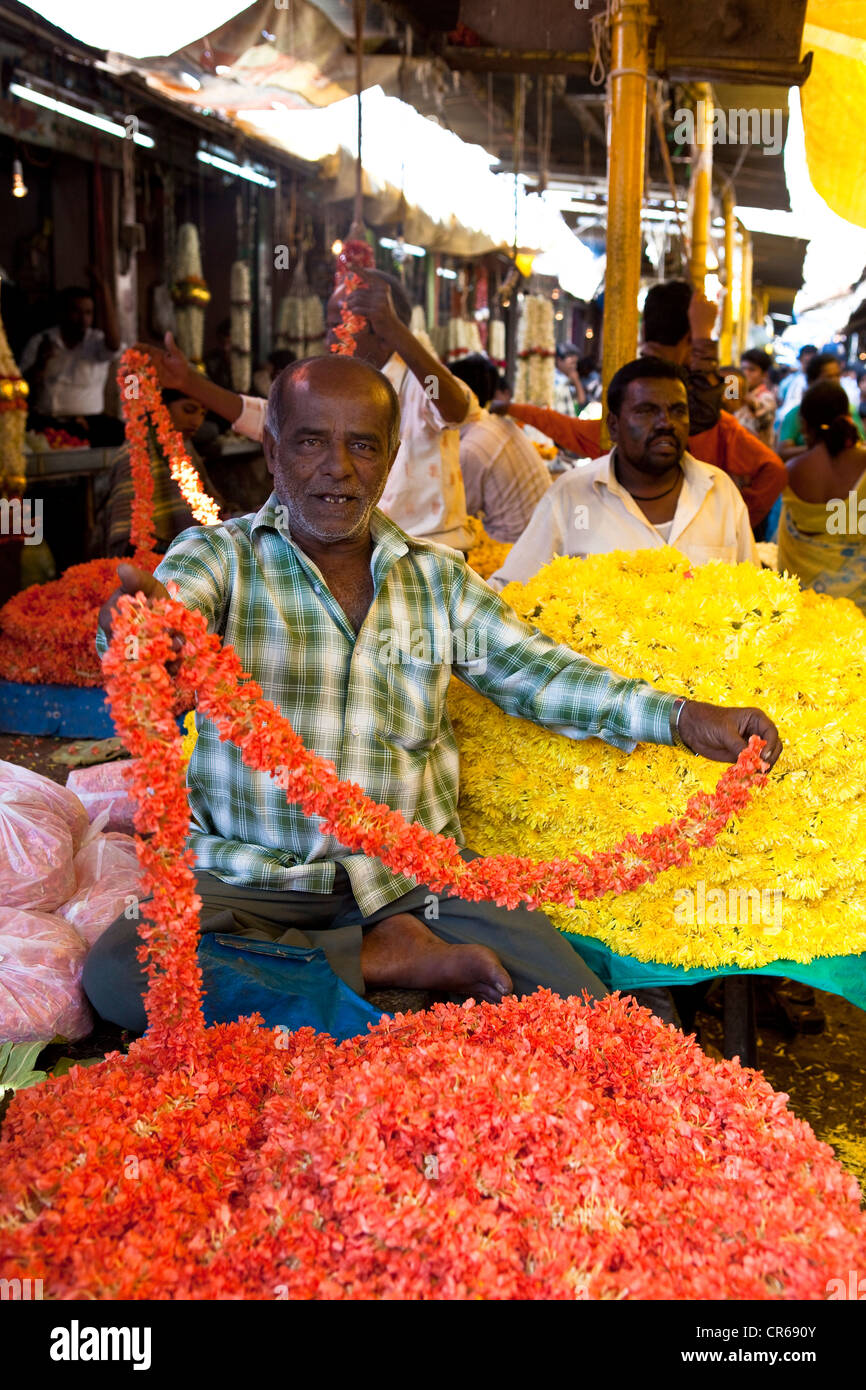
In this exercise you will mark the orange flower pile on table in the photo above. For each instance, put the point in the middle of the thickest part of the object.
(544, 1148)
(48, 631)
(354, 255)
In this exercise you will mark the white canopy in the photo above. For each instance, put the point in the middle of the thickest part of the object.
(442, 190)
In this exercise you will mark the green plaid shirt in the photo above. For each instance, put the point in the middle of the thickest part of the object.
(372, 703)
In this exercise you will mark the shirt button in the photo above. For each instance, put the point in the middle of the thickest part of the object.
(355, 731)
(317, 588)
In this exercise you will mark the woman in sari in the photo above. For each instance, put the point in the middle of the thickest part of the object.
(822, 530)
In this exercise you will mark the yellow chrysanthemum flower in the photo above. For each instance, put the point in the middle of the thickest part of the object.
(785, 882)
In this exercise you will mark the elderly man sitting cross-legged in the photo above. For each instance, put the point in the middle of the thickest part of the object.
(353, 629)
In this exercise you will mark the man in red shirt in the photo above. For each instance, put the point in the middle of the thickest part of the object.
(677, 327)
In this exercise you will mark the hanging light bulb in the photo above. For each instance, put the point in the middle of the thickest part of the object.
(336, 248)
(19, 188)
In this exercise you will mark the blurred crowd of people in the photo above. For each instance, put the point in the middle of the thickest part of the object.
(769, 449)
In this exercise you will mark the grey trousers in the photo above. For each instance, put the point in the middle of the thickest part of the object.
(533, 952)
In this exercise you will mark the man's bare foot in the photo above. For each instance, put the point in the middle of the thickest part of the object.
(401, 953)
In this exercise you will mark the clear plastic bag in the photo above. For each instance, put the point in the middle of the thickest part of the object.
(105, 788)
(41, 959)
(36, 793)
(107, 877)
(36, 857)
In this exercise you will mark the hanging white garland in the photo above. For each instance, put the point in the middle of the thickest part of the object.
(314, 326)
(536, 347)
(190, 294)
(241, 327)
(496, 342)
(456, 338)
(300, 318)
(13, 422)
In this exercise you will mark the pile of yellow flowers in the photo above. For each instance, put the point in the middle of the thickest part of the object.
(787, 881)
(485, 555)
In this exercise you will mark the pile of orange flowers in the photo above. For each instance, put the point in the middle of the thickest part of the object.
(544, 1148)
(48, 632)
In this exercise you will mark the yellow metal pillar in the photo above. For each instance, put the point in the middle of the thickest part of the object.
(702, 183)
(745, 322)
(626, 140)
(726, 338)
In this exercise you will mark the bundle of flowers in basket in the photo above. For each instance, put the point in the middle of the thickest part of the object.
(785, 881)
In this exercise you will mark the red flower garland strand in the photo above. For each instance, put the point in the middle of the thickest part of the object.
(142, 697)
(140, 400)
(354, 255)
(538, 1149)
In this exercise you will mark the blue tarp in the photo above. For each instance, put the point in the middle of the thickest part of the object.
(64, 711)
(290, 986)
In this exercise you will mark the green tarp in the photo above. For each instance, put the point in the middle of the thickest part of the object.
(845, 975)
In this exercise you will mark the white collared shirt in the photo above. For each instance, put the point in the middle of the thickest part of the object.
(75, 377)
(424, 493)
(588, 512)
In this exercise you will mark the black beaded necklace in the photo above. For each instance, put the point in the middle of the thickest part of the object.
(656, 495)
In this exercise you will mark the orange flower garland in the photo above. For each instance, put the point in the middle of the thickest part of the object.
(140, 393)
(355, 254)
(142, 697)
(535, 1150)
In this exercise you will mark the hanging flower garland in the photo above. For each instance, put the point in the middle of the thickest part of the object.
(13, 423)
(496, 343)
(47, 631)
(190, 294)
(354, 255)
(536, 346)
(241, 327)
(211, 676)
(141, 397)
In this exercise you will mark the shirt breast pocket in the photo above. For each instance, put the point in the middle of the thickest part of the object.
(415, 710)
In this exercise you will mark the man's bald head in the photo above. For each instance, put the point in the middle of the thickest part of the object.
(334, 372)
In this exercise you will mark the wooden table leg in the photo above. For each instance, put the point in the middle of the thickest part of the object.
(740, 1037)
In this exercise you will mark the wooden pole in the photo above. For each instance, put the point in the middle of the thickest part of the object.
(626, 143)
(702, 184)
(745, 291)
(726, 339)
